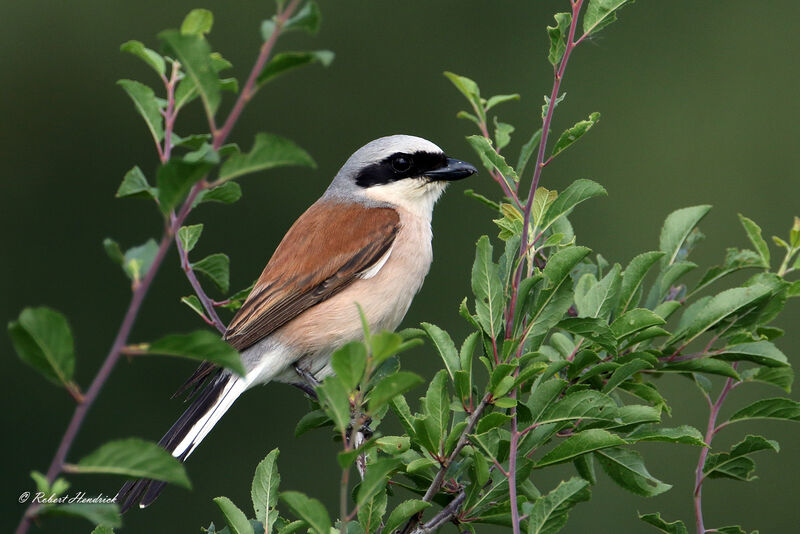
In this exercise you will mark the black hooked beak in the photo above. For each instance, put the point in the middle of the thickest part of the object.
(454, 170)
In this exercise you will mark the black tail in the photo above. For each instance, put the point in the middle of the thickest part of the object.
(146, 491)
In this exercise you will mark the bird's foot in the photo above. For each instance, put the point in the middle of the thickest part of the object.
(308, 383)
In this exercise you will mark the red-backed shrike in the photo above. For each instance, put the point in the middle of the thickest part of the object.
(367, 241)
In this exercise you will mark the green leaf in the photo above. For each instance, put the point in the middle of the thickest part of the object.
(685, 434)
(370, 514)
(702, 365)
(105, 515)
(754, 235)
(103, 529)
(197, 22)
(470, 90)
(735, 260)
(775, 408)
(580, 443)
(781, 377)
(375, 479)
(598, 299)
(137, 260)
(403, 512)
(559, 34)
(235, 519)
(309, 510)
(676, 527)
(626, 468)
(735, 464)
(264, 490)
(760, 352)
(189, 236)
(152, 58)
(549, 513)
(632, 279)
(624, 372)
(390, 387)
(200, 345)
(335, 401)
(135, 458)
(600, 13)
(286, 61)
(175, 178)
(307, 19)
(437, 408)
(634, 321)
(349, 363)
(546, 105)
(445, 346)
(113, 251)
(227, 193)
(561, 263)
(217, 268)
(488, 289)
(574, 194)
(499, 99)
(595, 330)
(134, 184)
(527, 151)
(269, 151)
(502, 134)
(43, 340)
(146, 105)
(677, 227)
(310, 421)
(194, 53)
(574, 133)
(490, 158)
(393, 445)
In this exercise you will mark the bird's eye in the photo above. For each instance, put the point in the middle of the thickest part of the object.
(401, 163)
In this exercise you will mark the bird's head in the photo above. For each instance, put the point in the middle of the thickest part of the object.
(399, 170)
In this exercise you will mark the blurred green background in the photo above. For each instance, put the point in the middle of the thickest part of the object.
(699, 104)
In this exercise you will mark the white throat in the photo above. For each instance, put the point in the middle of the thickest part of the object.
(414, 195)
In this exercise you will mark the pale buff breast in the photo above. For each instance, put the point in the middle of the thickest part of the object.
(384, 298)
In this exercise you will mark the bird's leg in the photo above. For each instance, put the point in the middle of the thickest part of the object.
(308, 384)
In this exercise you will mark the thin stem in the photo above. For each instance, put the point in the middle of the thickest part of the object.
(208, 304)
(250, 87)
(170, 114)
(436, 484)
(445, 514)
(512, 469)
(711, 429)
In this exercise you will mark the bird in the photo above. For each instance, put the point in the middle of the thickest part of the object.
(366, 243)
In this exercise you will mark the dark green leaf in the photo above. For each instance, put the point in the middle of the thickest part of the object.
(527, 151)
(580, 443)
(103, 529)
(687, 435)
(136, 458)
(390, 387)
(404, 511)
(336, 402)
(146, 104)
(113, 251)
(227, 193)
(286, 61)
(200, 345)
(735, 260)
(470, 90)
(269, 151)
(437, 408)
(781, 377)
(105, 515)
(574, 133)
(375, 479)
(632, 278)
(134, 184)
(735, 464)
(549, 513)
(309, 510)
(217, 268)
(175, 178)
(595, 330)
(194, 54)
(754, 235)
(445, 346)
(488, 289)
(559, 34)
(307, 18)
(676, 527)
(600, 13)
(634, 321)
(150, 57)
(702, 365)
(349, 363)
(775, 408)
(43, 339)
(624, 372)
(677, 227)
(574, 194)
(499, 99)
(370, 513)
(235, 519)
(760, 352)
(502, 134)
(189, 236)
(490, 158)
(626, 468)
(482, 199)
(264, 490)
(311, 420)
